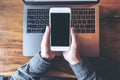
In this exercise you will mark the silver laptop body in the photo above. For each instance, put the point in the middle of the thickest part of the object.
(88, 34)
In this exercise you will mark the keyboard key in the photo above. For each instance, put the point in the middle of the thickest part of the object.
(30, 22)
(83, 30)
(29, 17)
(93, 17)
(29, 31)
(41, 22)
(79, 22)
(87, 30)
(77, 30)
(89, 26)
(76, 26)
(84, 22)
(87, 17)
(42, 30)
(74, 22)
(74, 17)
(35, 17)
(39, 26)
(82, 17)
(89, 21)
(40, 17)
(38, 30)
(81, 12)
(78, 17)
(92, 30)
(93, 21)
(45, 17)
(85, 12)
(47, 22)
(32, 26)
(92, 12)
(75, 13)
(81, 26)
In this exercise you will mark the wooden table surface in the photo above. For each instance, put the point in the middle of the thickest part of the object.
(11, 36)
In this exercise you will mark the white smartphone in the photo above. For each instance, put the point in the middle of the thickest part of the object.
(60, 23)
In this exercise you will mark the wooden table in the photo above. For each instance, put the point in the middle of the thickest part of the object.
(11, 36)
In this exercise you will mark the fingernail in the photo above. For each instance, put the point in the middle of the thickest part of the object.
(47, 27)
(73, 29)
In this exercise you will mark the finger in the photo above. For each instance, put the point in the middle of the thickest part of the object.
(46, 37)
(73, 34)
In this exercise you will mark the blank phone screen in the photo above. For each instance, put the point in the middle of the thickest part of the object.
(60, 29)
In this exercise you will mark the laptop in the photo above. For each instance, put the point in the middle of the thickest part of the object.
(84, 18)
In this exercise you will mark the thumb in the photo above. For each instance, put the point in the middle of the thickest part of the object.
(46, 37)
(73, 34)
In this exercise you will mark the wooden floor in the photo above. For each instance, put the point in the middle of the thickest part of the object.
(11, 29)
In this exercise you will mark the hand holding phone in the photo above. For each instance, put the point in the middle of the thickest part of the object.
(60, 28)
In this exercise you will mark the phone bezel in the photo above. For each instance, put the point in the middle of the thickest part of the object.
(60, 10)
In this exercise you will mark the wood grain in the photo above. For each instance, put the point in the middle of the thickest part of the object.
(11, 22)
(11, 29)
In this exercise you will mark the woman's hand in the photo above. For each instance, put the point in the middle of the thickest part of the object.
(72, 56)
(46, 53)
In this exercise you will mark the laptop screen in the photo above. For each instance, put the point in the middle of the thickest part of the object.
(63, 1)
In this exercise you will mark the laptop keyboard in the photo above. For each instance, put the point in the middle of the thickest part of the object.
(37, 20)
(82, 19)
